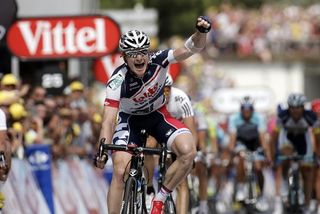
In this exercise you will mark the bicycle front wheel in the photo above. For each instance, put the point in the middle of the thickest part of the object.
(129, 202)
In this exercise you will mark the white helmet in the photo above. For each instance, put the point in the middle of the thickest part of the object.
(134, 40)
(169, 80)
(296, 100)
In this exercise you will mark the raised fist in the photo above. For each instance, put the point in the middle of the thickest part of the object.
(203, 24)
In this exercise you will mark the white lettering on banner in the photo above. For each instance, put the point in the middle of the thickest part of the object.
(70, 44)
(60, 40)
(32, 41)
(100, 32)
(84, 36)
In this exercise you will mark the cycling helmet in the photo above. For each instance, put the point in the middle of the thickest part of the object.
(169, 80)
(246, 103)
(134, 40)
(315, 105)
(296, 100)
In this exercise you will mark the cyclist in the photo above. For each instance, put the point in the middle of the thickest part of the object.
(247, 132)
(5, 149)
(135, 95)
(293, 134)
(315, 104)
(207, 141)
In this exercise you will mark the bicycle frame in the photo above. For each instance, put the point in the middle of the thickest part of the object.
(130, 205)
(170, 207)
(136, 175)
(293, 180)
(250, 177)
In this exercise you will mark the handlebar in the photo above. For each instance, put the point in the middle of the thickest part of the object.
(295, 157)
(134, 149)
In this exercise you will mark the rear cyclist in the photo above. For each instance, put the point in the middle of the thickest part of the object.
(293, 133)
(135, 94)
(247, 132)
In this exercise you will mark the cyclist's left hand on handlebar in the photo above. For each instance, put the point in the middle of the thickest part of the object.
(101, 157)
(100, 161)
(203, 24)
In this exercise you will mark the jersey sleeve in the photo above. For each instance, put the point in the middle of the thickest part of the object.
(186, 106)
(163, 58)
(113, 93)
(3, 121)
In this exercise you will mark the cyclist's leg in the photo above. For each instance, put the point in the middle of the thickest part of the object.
(150, 162)
(241, 174)
(179, 140)
(202, 173)
(307, 175)
(120, 161)
(307, 166)
(184, 147)
(125, 132)
(258, 165)
(182, 201)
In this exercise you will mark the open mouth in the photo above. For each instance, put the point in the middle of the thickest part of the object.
(139, 65)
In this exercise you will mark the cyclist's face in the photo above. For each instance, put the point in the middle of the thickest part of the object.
(296, 112)
(137, 61)
(246, 114)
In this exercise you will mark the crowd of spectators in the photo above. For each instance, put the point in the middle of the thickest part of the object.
(267, 33)
(70, 122)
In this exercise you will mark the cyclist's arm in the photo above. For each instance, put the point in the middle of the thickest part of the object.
(265, 145)
(233, 141)
(108, 123)
(273, 142)
(194, 44)
(316, 133)
(232, 130)
(214, 144)
(190, 123)
(202, 134)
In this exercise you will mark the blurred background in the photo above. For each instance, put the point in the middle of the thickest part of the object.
(56, 57)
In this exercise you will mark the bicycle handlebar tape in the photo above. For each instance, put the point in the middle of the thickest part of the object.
(202, 29)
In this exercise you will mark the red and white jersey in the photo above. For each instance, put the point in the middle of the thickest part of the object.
(179, 105)
(140, 96)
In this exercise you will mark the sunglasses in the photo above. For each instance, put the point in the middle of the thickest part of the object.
(134, 54)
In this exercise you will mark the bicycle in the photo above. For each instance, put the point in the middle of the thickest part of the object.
(251, 180)
(169, 206)
(134, 197)
(293, 180)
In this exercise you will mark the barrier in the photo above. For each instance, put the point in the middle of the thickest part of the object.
(77, 187)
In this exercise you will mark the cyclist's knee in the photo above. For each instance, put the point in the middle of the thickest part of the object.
(184, 148)
(120, 162)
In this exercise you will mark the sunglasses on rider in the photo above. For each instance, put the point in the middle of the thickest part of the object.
(134, 54)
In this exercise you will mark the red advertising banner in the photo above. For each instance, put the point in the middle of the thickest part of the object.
(63, 37)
